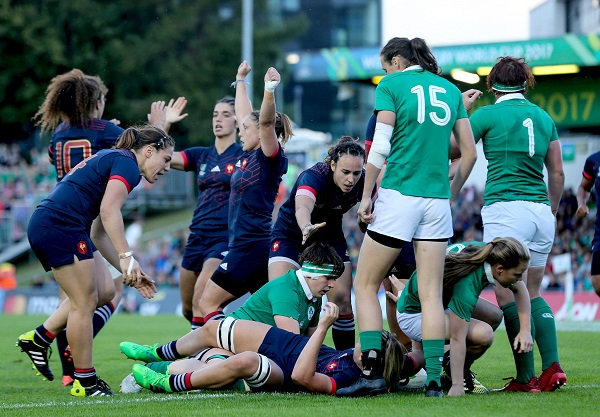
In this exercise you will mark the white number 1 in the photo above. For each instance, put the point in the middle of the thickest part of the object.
(528, 123)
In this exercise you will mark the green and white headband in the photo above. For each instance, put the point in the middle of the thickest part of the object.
(502, 88)
(313, 271)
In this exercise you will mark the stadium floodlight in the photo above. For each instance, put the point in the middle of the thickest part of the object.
(292, 58)
(484, 71)
(555, 69)
(464, 76)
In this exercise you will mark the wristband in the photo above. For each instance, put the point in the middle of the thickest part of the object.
(305, 226)
(126, 255)
(235, 83)
(130, 267)
(271, 85)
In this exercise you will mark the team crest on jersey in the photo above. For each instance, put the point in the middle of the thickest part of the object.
(275, 246)
(331, 366)
(229, 169)
(82, 247)
(311, 312)
(244, 163)
(202, 170)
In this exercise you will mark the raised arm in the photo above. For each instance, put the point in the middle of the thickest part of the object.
(304, 373)
(267, 118)
(243, 105)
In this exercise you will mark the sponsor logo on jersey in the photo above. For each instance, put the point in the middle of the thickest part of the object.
(547, 316)
(202, 170)
(275, 246)
(216, 169)
(244, 163)
(224, 266)
(238, 163)
(82, 247)
(229, 169)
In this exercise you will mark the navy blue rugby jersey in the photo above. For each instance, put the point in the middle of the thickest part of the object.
(213, 175)
(330, 204)
(79, 194)
(72, 144)
(338, 365)
(254, 187)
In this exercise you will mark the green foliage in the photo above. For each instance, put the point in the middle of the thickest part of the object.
(144, 51)
(23, 393)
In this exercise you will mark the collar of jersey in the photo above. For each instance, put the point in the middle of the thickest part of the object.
(488, 273)
(512, 96)
(304, 285)
(413, 68)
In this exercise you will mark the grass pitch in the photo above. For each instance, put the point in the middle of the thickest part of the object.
(22, 393)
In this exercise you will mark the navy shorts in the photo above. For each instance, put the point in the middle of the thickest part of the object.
(55, 239)
(292, 249)
(244, 269)
(198, 250)
(283, 348)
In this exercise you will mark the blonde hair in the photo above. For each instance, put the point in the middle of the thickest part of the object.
(393, 358)
(137, 137)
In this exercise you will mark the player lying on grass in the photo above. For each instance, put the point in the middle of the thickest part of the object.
(269, 359)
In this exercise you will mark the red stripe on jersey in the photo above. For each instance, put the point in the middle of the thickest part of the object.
(185, 159)
(123, 180)
(275, 153)
(586, 176)
(306, 190)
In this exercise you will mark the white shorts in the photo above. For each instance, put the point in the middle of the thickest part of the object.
(410, 324)
(530, 223)
(406, 217)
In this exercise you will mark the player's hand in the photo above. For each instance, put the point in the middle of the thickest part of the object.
(397, 287)
(309, 229)
(146, 286)
(332, 312)
(174, 109)
(469, 98)
(456, 391)
(115, 121)
(243, 70)
(272, 79)
(582, 211)
(523, 342)
(364, 211)
(158, 114)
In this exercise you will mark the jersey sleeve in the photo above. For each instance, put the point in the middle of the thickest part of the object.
(126, 170)
(464, 298)
(310, 184)
(112, 132)
(477, 125)
(384, 99)
(191, 156)
(588, 168)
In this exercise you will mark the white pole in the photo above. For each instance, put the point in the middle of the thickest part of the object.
(247, 40)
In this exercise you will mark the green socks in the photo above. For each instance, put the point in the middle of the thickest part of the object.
(545, 331)
(433, 350)
(523, 361)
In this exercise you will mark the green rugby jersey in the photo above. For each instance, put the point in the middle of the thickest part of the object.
(516, 135)
(427, 107)
(284, 296)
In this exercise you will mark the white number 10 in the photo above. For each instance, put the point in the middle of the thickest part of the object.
(435, 102)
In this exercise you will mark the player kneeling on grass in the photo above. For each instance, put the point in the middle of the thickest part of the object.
(469, 268)
(269, 358)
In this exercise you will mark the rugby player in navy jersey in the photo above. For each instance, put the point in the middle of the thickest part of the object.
(59, 234)
(254, 186)
(207, 244)
(76, 101)
(313, 212)
(269, 358)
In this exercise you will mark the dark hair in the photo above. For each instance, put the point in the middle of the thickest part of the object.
(71, 96)
(346, 145)
(227, 100)
(506, 251)
(414, 51)
(511, 71)
(320, 253)
(283, 125)
(137, 137)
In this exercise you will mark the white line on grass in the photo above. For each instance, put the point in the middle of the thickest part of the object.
(121, 399)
